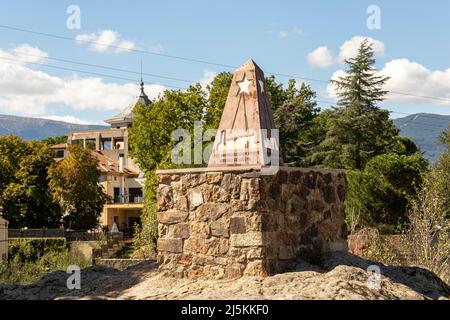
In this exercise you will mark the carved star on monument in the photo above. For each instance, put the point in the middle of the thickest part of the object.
(244, 85)
(261, 85)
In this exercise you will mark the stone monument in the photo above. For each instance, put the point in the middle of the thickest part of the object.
(245, 134)
(237, 218)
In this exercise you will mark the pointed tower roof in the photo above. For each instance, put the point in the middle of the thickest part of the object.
(127, 114)
(246, 135)
(143, 99)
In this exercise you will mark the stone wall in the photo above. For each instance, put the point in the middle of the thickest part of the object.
(234, 222)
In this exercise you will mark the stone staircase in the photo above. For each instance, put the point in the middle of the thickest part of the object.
(114, 244)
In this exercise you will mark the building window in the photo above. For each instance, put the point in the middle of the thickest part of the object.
(136, 195)
(59, 154)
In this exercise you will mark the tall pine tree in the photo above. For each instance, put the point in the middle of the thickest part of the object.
(357, 130)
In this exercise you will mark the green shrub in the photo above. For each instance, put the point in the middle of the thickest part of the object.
(30, 250)
(378, 195)
(380, 251)
(29, 260)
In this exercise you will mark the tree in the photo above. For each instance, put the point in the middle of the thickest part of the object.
(295, 120)
(218, 94)
(378, 195)
(51, 141)
(12, 151)
(358, 130)
(151, 145)
(442, 169)
(74, 184)
(150, 136)
(404, 146)
(25, 196)
(444, 139)
(429, 228)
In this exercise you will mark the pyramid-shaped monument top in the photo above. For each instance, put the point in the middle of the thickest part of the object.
(246, 135)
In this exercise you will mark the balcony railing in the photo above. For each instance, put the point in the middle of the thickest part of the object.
(127, 199)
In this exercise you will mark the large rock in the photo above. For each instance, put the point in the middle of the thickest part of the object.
(342, 277)
(359, 242)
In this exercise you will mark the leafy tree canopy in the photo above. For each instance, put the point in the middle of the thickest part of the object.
(25, 195)
(74, 185)
(51, 141)
(295, 120)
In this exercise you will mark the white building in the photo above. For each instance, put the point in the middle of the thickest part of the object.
(121, 179)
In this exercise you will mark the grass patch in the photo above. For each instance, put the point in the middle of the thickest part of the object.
(29, 260)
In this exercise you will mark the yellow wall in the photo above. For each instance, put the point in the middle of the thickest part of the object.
(109, 213)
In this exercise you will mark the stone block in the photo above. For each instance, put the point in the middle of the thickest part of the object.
(181, 230)
(212, 211)
(255, 269)
(195, 198)
(164, 179)
(185, 259)
(164, 199)
(199, 229)
(249, 239)
(214, 177)
(181, 203)
(234, 271)
(224, 246)
(237, 225)
(255, 253)
(170, 245)
(203, 246)
(172, 216)
(219, 229)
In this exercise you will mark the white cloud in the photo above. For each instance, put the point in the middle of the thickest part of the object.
(104, 40)
(321, 57)
(30, 54)
(29, 92)
(286, 33)
(413, 78)
(208, 77)
(69, 119)
(349, 48)
(331, 90)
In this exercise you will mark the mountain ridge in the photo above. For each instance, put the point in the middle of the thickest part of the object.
(30, 128)
(424, 129)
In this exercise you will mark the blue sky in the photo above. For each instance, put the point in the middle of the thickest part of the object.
(413, 49)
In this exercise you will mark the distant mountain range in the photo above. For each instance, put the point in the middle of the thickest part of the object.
(34, 128)
(423, 128)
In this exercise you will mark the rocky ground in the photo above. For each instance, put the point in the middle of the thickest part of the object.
(341, 276)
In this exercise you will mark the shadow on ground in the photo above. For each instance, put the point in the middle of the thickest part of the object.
(97, 282)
